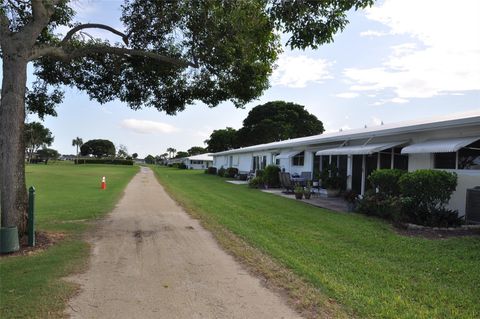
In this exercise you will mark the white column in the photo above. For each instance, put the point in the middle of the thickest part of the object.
(392, 162)
(378, 160)
(349, 171)
(363, 175)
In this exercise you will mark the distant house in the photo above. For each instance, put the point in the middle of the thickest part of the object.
(201, 161)
(66, 157)
(450, 143)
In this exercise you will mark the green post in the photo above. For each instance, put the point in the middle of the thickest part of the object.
(31, 218)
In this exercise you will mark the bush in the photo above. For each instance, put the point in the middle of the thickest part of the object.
(256, 182)
(428, 189)
(231, 172)
(211, 170)
(259, 172)
(221, 172)
(270, 176)
(387, 181)
(387, 207)
(104, 161)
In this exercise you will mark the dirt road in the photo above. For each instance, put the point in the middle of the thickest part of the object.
(151, 260)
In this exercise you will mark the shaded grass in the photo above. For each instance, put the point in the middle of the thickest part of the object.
(68, 197)
(360, 262)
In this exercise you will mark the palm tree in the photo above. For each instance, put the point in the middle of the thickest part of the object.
(171, 152)
(78, 142)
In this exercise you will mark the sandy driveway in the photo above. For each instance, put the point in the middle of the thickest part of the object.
(151, 260)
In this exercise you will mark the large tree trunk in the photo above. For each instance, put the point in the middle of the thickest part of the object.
(13, 196)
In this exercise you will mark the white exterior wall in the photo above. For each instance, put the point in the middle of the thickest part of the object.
(419, 161)
(466, 179)
(204, 165)
(219, 161)
(245, 162)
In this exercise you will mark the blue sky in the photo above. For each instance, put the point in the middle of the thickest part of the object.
(401, 60)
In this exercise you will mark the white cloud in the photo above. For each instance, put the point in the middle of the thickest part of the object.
(347, 95)
(298, 71)
(444, 59)
(148, 127)
(373, 33)
(376, 120)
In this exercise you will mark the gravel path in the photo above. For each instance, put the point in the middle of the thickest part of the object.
(152, 260)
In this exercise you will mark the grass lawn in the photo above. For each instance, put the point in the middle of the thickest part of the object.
(358, 261)
(67, 198)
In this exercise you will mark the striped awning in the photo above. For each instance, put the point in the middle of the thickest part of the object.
(359, 149)
(440, 146)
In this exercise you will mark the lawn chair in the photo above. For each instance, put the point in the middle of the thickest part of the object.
(286, 182)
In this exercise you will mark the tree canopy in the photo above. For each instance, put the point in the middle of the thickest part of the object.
(276, 121)
(195, 150)
(222, 140)
(47, 153)
(35, 136)
(172, 53)
(98, 148)
(149, 159)
(181, 154)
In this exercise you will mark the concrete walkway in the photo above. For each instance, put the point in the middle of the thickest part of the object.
(151, 260)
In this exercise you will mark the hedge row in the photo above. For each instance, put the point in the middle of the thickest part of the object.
(104, 161)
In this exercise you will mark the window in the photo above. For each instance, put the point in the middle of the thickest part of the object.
(400, 161)
(444, 160)
(299, 159)
(196, 162)
(259, 162)
(469, 157)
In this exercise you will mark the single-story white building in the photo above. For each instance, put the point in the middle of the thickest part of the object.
(200, 161)
(450, 143)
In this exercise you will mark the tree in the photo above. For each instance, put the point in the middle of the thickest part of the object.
(171, 152)
(134, 155)
(122, 151)
(181, 154)
(173, 53)
(195, 150)
(35, 136)
(47, 153)
(98, 148)
(222, 140)
(276, 121)
(150, 159)
(78, 142)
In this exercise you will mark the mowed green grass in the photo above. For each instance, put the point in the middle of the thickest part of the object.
(68, 197)
(359, 261)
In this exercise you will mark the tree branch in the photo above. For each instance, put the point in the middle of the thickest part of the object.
(94, 26)
(42, 10)
(4, 30)
(67, 55)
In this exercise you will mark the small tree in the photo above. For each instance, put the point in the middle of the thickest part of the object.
(122, 151)
(150, 159)
(35, 136)
(181, 154)
(195, 150)
(98, 148)
(134, 155)
(47, 153)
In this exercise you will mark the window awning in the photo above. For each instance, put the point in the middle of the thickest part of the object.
(287, 155)
(439, 146)
(359, 149)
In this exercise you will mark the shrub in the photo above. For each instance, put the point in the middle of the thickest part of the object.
(104, 161)
(256, 182)
(387, 181)
(211, 170)
(231, 172)
(221, 172)
(429, 189)
(259, 172)
(270, 176)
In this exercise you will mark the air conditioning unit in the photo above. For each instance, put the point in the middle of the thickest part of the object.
(472, 209)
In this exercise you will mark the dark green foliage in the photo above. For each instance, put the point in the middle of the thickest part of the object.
(181, 154)
(98, 148)
(211, 170)
(104, 161)
(221, 172)
(47, 153)
(428, 189)
(331, 178)
(222, 140)
(270, 176)
(150, 159)
(35, 135)
(231, 172)
(256, 182)
(420, 198)
(275, 121)
(180, 165)
(386, 181)
(195, 150)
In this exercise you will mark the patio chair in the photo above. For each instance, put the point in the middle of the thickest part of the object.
(286, 182)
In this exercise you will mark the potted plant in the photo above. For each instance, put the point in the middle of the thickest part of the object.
(316, 180)
(351, 197)
(307, 192)
(332, 181)
(298, 191)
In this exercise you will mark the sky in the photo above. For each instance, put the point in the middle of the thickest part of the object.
(399, 60)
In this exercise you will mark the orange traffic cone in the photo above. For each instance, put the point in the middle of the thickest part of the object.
(104, 184)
